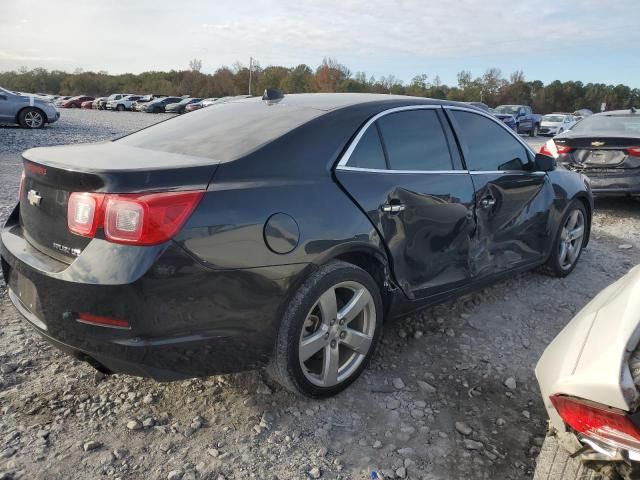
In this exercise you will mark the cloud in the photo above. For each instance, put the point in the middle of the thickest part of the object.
(149, 34)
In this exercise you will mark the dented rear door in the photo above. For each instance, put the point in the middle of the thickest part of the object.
(404, 171)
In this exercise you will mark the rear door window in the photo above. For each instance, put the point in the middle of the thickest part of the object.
(488, 146)
(414, 140)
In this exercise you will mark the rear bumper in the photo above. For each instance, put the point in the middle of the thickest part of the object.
(186, 320)
(612, 184)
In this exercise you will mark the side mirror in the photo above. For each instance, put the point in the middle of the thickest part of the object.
(3, 97)
(544, 163)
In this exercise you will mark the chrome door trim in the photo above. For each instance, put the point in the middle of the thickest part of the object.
(384, 170)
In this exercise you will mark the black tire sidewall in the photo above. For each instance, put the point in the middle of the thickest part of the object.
(289, 336)
(553, 263)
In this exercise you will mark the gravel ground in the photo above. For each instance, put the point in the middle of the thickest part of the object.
(450, 393)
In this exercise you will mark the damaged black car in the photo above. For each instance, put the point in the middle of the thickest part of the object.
(278, 233)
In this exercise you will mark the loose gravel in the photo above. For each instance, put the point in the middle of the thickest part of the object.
(450, 392)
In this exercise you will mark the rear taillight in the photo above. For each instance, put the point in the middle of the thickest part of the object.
(84, 213)
(140, 219)
(552, 149)
(607, 425)
(633, 151)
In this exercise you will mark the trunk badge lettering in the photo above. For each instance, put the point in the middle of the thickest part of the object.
(68, 250)
(34, 198)
(597, 144)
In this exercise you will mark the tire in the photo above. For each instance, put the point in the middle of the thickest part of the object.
(309, 324)
(32, 118)
(555, 463)
(568, 245)
(120, 108)
(534, 131)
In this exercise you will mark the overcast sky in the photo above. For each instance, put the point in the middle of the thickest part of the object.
(588, 40)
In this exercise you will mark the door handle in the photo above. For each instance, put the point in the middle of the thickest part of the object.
(487, 202)
(392, 208)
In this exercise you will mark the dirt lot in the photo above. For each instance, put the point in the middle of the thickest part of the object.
(433, 404)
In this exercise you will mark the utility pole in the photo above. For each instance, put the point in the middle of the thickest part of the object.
(250, 70)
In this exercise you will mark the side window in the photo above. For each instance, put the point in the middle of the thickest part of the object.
(414, 140)
(489, 146)
(368, 153)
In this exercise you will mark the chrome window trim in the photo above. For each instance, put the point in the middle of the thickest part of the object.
(495, 120)
(342, 164)
(380, 170)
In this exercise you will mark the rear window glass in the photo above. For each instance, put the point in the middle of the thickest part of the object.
(368, 153)
(609, 123)
(224, 131)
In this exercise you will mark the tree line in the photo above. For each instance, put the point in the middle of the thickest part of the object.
(491, 88)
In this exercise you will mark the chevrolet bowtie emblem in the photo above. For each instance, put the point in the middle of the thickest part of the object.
(34, 198)
(597, 144)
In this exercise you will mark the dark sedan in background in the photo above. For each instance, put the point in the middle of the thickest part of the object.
(279, 233)
(179, 107)
(606, 148)
(159, 105)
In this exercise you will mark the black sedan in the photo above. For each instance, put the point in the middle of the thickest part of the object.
(606, 148)
(179, 107)
(159, 105)
(279, 233)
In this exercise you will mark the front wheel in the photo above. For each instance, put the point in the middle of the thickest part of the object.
(328, 332)
(120, 108)
(555, 463)
(569, 241)
(31, 118)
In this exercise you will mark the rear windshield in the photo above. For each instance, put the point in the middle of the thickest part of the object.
(620, 124)
(225, 131)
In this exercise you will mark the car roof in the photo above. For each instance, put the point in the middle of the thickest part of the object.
(334, 101)
(627, 111)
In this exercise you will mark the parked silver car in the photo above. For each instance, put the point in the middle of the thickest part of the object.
(30, 111)
(589, 377)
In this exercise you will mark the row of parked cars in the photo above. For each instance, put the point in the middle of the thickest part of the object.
(521, 119)
(151, 103)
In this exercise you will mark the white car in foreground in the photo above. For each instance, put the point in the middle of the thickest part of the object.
(556, 123)
(590, 377)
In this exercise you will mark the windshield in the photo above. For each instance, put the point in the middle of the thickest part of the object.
(226, 132)
(7, 91)
(510, 109)
(553, 118)
(617, 124)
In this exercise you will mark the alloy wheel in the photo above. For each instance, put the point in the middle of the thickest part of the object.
(571, 239)
(33, 119)
(337, 334)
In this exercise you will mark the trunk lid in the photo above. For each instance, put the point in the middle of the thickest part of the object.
(53, 173)
(604, 152)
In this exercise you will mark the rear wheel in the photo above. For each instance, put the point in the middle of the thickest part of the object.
(569, 241)
(555, 463)
(120, 108)
(534, 130)
(328, 332)
(31, 118)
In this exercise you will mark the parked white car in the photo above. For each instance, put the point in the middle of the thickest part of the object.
(589, 377)
(556, 123)
(122, 103)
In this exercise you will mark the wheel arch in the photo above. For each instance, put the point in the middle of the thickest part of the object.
(376, 264)
(44, 114)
